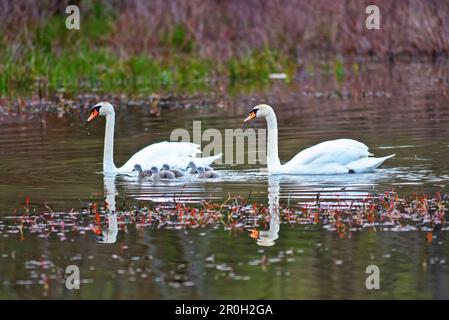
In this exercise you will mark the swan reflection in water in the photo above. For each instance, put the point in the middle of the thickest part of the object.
(264, 238)
(109, 234)
(335, 191)
(338, 191)
(267, 238)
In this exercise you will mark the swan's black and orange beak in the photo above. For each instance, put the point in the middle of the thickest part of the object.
(251, 115)
(254, 233)
(93, 115)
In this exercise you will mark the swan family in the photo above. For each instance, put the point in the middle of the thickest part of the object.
(341, 156)
(175, 154)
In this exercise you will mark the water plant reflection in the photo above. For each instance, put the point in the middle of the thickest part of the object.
(378, 212)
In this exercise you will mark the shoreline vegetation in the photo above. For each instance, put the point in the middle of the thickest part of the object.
(144, 48)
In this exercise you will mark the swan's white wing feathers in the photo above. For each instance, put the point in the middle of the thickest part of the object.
(333, 157)
(206, 161)
(341, 151)
(175, 154)
(367, 164)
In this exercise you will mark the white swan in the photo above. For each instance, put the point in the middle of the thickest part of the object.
(176, 154)
(329, 157)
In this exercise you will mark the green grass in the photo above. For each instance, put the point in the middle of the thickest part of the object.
(58, 59)
(99, 69)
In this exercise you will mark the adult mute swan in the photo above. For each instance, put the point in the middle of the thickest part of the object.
(176, 154)
(329, 157)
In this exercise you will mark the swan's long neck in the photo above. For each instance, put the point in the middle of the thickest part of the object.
(108, 158)
(273, 162)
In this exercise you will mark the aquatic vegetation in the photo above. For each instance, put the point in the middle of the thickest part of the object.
(75, 233)
(385, 212)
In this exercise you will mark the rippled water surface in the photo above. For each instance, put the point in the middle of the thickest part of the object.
(402, 110)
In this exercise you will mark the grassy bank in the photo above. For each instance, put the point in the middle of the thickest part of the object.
(141, 46)
(103, 71)
(51, 58)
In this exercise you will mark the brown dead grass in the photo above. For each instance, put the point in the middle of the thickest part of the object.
(225, 29)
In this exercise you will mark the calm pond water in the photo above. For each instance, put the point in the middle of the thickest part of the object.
(400, 109)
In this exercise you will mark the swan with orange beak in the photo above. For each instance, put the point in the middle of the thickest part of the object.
(175, 154)
(339, 156)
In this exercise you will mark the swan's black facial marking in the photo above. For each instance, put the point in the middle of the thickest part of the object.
(94, 112)
(252, 114)
(96, 108)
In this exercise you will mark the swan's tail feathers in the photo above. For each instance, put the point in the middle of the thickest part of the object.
(367, 164)
(192, 149)
(388, 157)
(207, 160)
